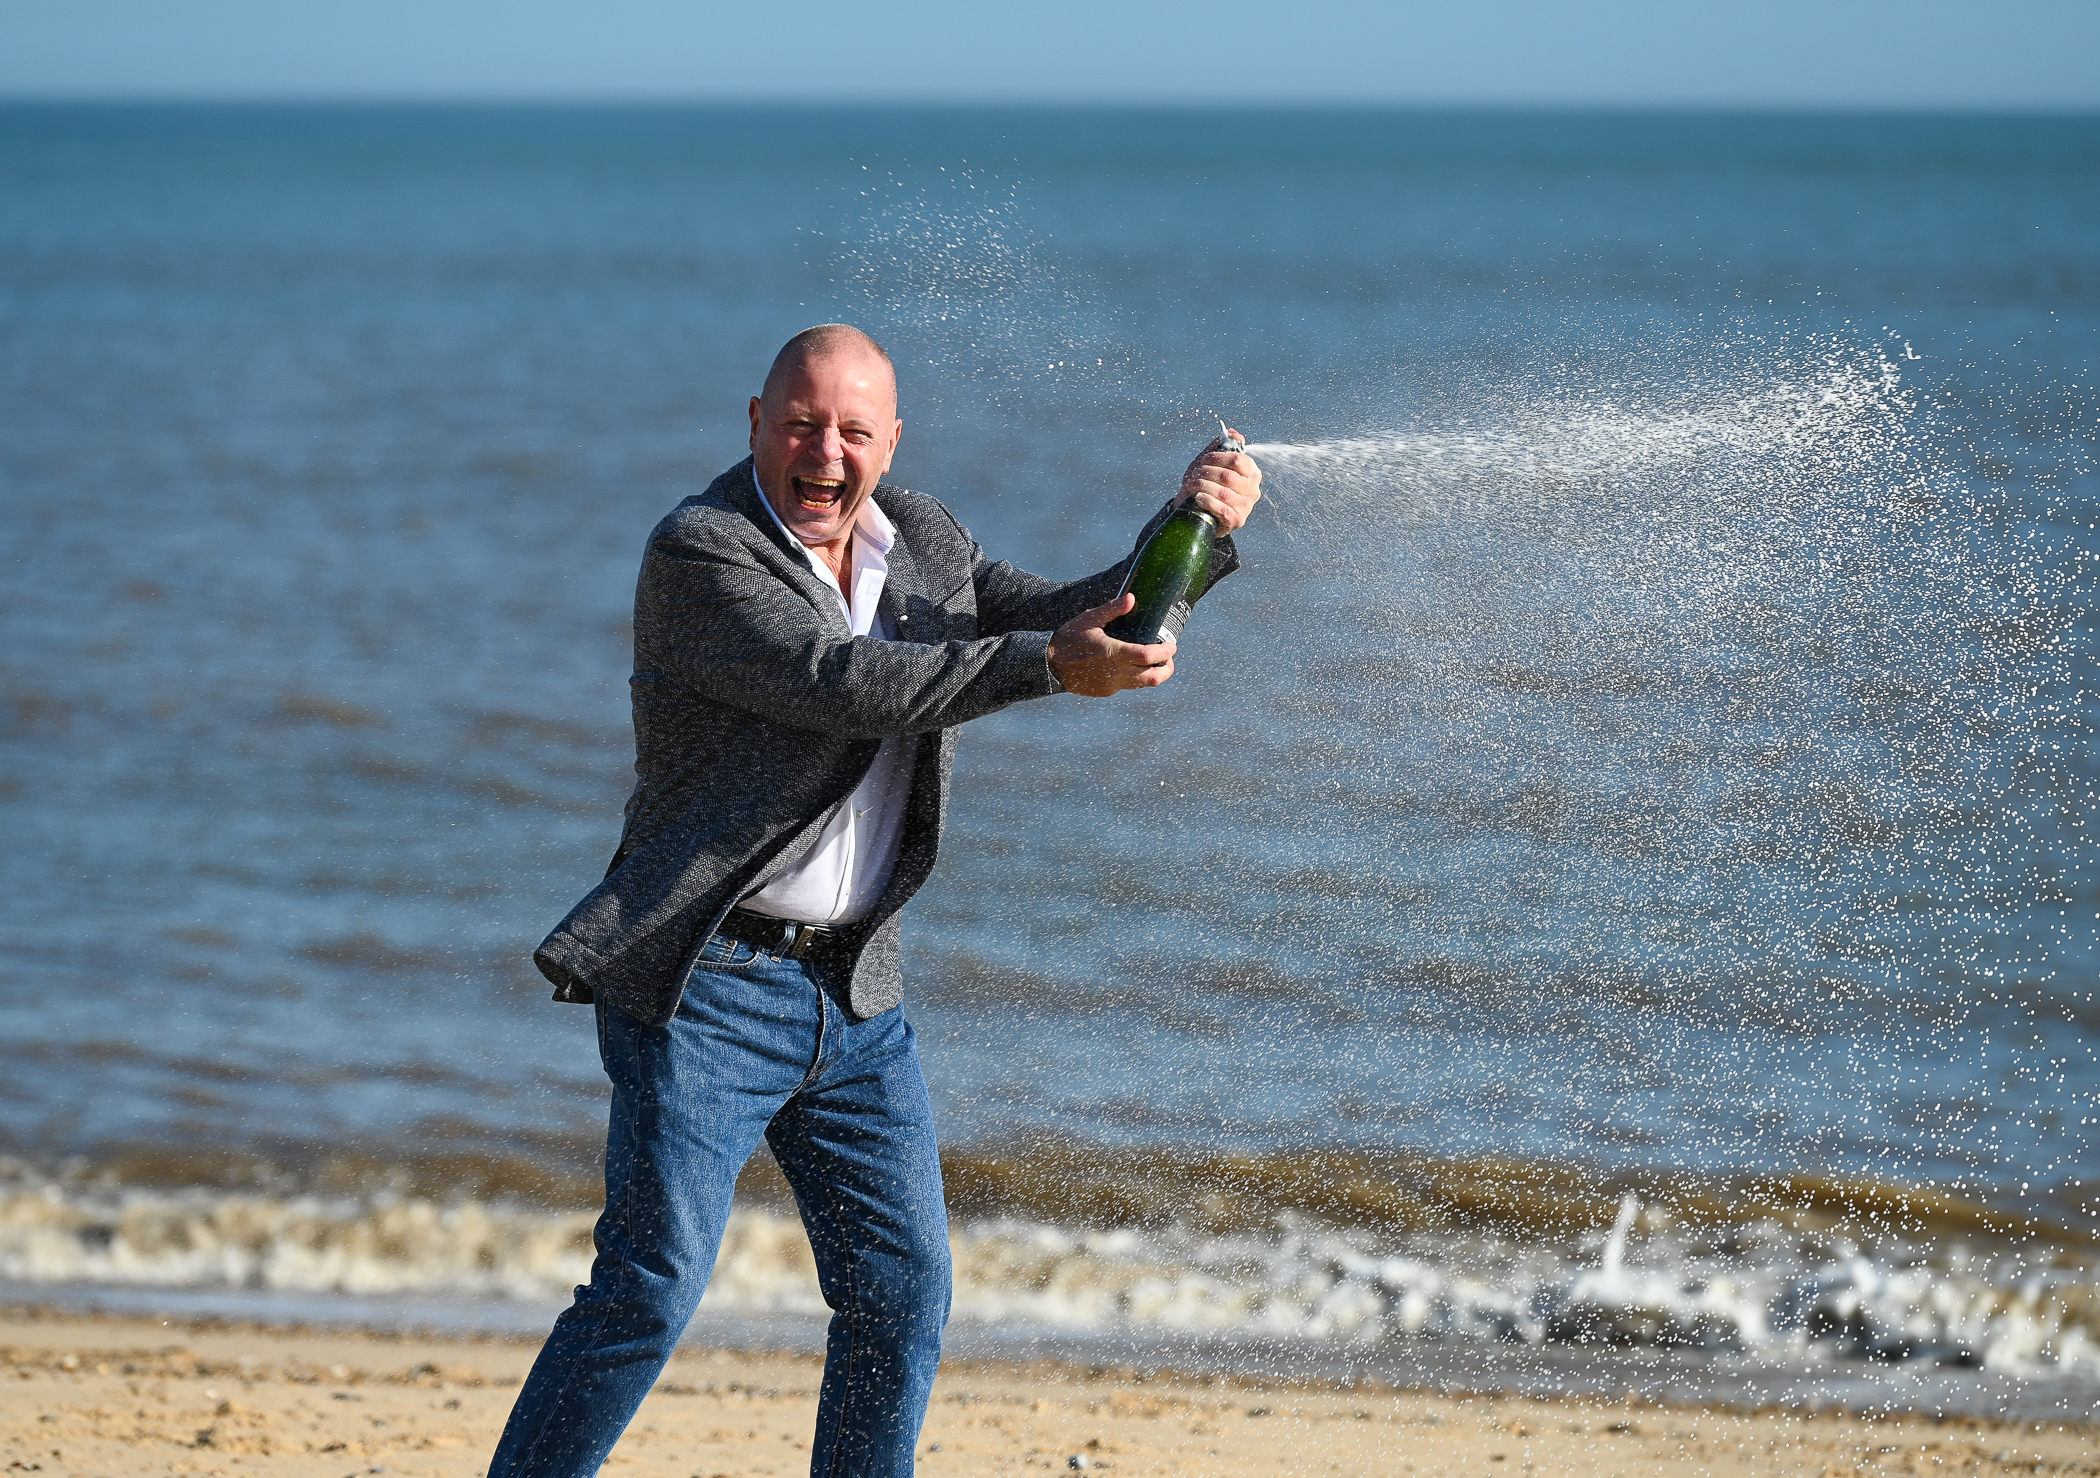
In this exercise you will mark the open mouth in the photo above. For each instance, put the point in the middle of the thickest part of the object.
(818, 494)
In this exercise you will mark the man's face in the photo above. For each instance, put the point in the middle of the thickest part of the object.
(823, 439)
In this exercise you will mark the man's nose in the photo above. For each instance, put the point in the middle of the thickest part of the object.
(831, 446)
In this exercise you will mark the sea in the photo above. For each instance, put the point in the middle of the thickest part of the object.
(1607, 902)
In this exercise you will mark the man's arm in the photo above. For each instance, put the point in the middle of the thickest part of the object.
(710, 616)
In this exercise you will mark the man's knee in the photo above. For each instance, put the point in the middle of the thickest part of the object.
(629, 1305)
(934, 1275)
(906, 1301)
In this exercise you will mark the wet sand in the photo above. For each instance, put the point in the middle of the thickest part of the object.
(115, 1397)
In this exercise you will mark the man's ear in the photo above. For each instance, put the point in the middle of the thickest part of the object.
(896, 435)
(754, 423)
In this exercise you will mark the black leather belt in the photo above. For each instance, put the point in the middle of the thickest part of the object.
(791, 939)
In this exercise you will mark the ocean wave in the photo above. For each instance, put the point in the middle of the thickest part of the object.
(1647, 1281)
(1767, 1295)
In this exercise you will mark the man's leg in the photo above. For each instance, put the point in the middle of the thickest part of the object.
(690, 1101)
(858, 1147)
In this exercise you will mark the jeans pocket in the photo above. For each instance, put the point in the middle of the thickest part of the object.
(723, 953)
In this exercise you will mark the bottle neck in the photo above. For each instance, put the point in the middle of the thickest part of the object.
(1210, 525)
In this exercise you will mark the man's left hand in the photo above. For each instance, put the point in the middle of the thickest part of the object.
(1226, 485)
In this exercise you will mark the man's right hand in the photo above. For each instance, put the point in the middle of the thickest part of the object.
(1090, 662)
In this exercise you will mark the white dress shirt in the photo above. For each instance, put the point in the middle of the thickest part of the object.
(840, 879)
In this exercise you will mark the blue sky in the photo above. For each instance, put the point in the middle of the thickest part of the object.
(2018, 54)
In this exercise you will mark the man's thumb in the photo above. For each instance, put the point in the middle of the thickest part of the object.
(1103, 614)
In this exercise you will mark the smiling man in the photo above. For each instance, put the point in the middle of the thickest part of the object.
(806, 640)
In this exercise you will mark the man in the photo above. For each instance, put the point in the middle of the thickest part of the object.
(805, 642)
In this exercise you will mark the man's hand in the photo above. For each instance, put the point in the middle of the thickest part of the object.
(1226, 485)
(1090, 662)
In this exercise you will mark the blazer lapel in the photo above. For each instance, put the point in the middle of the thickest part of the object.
(904, 599)
(793, 563)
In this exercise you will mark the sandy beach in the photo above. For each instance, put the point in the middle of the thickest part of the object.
(107, 1396)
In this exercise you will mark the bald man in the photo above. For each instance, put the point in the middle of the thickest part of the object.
(806, 641)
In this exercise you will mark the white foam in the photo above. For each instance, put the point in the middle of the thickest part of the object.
(1769, 1292)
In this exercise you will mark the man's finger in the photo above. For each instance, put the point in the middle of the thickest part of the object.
(1229, 509)
(1101, 615)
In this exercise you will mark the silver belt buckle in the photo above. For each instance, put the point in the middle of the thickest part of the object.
(802, 938)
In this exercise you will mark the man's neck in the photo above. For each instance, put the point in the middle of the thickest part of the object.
(837, 555)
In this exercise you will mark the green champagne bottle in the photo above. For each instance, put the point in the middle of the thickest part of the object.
(1170, 572)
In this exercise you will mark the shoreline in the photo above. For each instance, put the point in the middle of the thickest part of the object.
(1707, 1379)
(112, 1394)
(1872, 1296)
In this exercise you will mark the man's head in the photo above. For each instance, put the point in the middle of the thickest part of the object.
(824, 429)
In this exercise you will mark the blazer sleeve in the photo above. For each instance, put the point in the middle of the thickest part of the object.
(709, 614)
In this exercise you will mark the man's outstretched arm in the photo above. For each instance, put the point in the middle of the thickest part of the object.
(708, 617)
(711, 619)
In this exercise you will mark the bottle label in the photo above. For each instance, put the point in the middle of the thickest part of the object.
(1177, 617)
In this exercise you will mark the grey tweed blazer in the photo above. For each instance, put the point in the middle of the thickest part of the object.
(756, 713)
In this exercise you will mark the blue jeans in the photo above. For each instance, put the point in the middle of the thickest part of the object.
(760, 1045)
